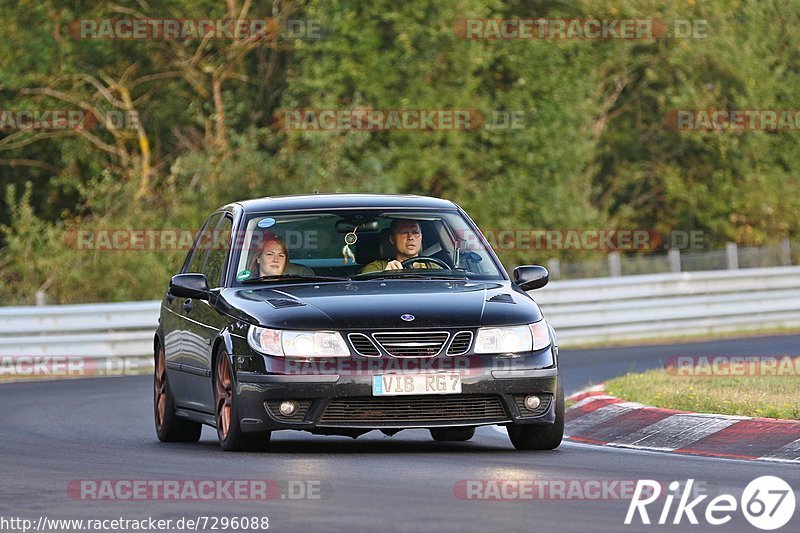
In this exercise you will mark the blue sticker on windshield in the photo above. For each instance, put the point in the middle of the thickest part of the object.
(266, 222)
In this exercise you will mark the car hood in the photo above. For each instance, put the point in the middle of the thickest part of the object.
(381, 304)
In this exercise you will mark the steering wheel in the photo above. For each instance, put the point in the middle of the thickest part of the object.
(424, 259)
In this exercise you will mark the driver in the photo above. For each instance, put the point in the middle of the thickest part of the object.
(406, 236)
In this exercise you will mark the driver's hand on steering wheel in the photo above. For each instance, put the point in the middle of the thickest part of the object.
(394, 264)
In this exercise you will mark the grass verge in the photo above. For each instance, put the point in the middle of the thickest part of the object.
(756, 396)
(681, 339)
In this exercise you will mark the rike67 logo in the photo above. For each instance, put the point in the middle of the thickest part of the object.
(767, 502)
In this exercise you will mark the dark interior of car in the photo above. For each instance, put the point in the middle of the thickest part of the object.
(370, 246)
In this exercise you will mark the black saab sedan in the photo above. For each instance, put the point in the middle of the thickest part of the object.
(342, 314)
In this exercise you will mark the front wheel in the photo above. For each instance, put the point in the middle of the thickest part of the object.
(169, 427)
(532, 437)
(229, 431)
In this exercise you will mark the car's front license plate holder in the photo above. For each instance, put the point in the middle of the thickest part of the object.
(408, 384)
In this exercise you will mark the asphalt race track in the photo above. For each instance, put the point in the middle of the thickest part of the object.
(54, 433)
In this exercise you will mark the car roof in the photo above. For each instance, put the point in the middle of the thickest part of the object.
(343, 201)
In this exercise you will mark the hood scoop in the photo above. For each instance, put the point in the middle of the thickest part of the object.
(502, 298)
(283, 303)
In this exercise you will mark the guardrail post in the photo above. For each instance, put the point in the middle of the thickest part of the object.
(41, 298)
(786, 253)
(614, 265)
(554, 267)
(732, 254)
(674, 259)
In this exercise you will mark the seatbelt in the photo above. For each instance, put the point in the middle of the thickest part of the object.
(430, 250)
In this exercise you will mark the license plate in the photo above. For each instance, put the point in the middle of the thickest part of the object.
(403, 384)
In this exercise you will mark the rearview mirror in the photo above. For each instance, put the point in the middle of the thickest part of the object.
(530, 277)
(346, 226)
(189, 286)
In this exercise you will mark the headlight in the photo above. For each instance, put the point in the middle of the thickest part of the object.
(513, 339)
(297, 343)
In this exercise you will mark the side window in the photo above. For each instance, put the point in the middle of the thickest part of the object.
(202, 243)
(214, 268)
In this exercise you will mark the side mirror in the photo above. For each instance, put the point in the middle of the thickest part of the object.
(189, 286)
(531, 277)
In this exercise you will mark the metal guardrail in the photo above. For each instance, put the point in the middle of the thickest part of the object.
(585, 311)
(599, 310)
(695, 257)
(86, 330)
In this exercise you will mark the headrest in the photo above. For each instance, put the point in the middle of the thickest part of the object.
(373, 246)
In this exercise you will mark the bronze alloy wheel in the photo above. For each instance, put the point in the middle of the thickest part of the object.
(169, 426)
(224, 395)
(229, 431)
(160, 388)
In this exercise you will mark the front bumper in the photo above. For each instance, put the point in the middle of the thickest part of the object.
(340, 396)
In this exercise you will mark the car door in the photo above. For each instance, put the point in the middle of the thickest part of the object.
(204, 322)
(182, 362)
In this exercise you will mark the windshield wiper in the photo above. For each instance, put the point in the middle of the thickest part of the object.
(293, 277)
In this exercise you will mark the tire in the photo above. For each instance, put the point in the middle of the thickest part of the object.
(229, 431)
(452, 434)
(532, 437)
(169, 426)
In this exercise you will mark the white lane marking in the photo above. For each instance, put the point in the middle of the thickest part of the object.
(656, 453)
(674, 432)
(790, 453)
(591, 399)
(735, 418)
(595, 388)
(598, 416)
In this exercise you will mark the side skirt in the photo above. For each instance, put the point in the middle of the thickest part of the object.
(196, 416)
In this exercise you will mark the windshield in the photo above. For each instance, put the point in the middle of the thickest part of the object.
(363, 244)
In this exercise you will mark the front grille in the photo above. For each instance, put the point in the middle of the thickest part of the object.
(461, 343)
(363, 345)
(519, 399)
(414, 409)
(412, 343)
(299, 415)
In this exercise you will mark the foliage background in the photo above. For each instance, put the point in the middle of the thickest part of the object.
(594, 152)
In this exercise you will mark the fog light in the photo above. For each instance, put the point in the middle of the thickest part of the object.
(289, 408)
(532, 402)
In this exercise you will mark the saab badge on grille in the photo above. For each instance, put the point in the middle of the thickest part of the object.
(407, 317)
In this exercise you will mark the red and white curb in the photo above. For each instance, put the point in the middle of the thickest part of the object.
(597, 418)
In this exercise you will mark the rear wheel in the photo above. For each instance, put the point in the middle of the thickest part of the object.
(169, 427)
(532, 437)
(452, 434)
(229, 431)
